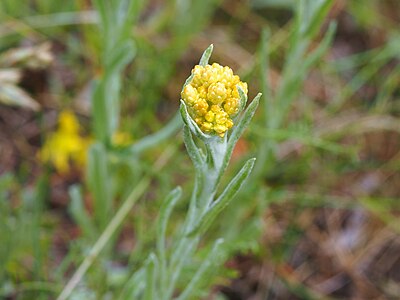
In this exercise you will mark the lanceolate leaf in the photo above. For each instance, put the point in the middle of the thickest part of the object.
(78, 211)
(188, 80)
(134, 286)
(318, 15)
(165, 212)
(158, 137)
(201, 273)
(98, 180)
(239, 128)
(191, 124)
(151, 274)
(226, 197)
(120, 57)
(322, 47)
(192, 149)
(243, 98)
(206, 55)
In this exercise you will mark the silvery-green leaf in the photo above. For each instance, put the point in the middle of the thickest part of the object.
(206, 55)
(207, 264)
(150, 292)
(135, 285)
(224, 199)
(188, 80)
(242, 99)
(165, 212)
(191, 124)
(238, 128)
(192, 149)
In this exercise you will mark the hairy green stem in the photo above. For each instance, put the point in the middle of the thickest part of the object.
(206, 184)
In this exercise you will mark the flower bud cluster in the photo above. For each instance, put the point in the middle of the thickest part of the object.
(212, 97)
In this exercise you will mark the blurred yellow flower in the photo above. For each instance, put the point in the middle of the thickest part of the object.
(66, 145)
(213, 98)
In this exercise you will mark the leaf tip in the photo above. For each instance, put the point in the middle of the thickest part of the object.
(177, 191)
(250, 163)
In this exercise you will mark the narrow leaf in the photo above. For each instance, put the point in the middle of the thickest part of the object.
(135, 285)
(206, 56)
(243, 98)
(165, 213)
(188, 80)
(244, 120)
(240, 127)
(318, 17)
(78, 211)
(158, 137)
(120, 57)
(264, 69)
(194, 152)
(99, 183)
(151, 268)
(104, 14)
(322, 47)
(207, 264)
(225, 198)
(191, 124)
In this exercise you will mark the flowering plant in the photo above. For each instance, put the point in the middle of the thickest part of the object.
(212, 108)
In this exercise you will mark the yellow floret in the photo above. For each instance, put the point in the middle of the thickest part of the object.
(231, 106)
(206, 126)
(209, 116)
(190, 94)
(213, 97)
(200, 107)
(215, 108)
(197, 73)
(221, 117)
(220, 129)
(216, 93)
(202, 92)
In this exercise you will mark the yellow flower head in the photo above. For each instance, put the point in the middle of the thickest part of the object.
(212, 97)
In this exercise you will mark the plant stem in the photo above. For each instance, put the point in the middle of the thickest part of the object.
(206, 183)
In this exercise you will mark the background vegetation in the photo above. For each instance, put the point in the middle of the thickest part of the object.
(91, 145)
